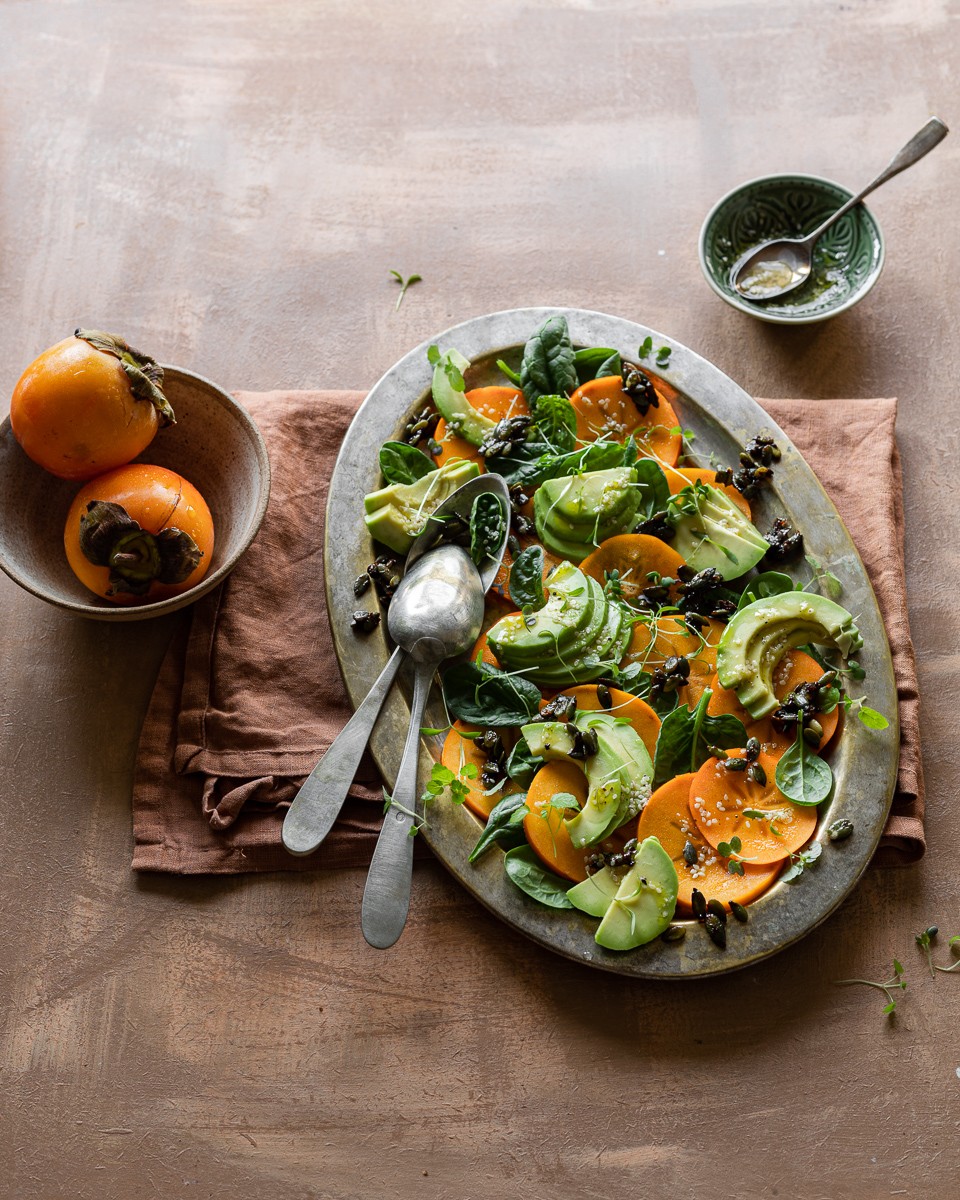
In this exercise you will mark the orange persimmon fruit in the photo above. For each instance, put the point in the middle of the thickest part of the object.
(139, 533)
(88, 404)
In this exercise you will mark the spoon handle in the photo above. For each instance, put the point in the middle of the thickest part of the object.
(920, 144)
(386, 896)
(317, 805)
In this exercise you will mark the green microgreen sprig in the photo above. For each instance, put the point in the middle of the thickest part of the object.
(887, 987)
(404, 284)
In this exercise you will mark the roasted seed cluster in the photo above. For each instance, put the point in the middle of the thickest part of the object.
(702, 593)
(622, 858)
(421, 427)
(520, 523)
(802, 705)
(505, 435)
(785, 542)
(671, 677)
(494, 770)
(636, 383)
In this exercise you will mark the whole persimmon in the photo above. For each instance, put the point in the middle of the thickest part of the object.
(139, 533)
(88, 404)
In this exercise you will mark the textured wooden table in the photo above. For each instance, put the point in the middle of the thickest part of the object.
(229, 184)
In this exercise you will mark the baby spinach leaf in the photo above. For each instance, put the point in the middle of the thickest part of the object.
(504, 826)
(483, 695)
(765, 585)
(510, 373)
(530, 463)
(803, 776)
(522, 765)
(487, 527)
(548, 367)
(526, 871)
(402, 463)
(526, 579)
(652, 485)
(594, 362)
(685, 735)
(557, 422)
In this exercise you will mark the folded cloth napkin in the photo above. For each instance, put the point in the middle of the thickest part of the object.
(249, 695)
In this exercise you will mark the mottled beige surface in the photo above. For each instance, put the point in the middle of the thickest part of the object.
(228, 184)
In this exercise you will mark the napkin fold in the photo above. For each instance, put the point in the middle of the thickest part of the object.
(250, 696)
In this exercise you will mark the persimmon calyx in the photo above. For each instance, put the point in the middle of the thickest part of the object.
(109, 537)
(144, 374)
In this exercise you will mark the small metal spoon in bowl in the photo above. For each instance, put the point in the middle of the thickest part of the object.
(436, 613)
(779, 266)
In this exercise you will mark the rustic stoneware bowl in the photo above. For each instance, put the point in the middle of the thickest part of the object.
(214, 444)
(847, 259)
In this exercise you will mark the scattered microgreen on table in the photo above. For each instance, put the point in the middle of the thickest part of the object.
(404, 284)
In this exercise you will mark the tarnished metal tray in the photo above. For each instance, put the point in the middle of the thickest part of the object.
(723, 417)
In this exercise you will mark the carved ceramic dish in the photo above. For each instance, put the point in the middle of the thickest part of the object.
(722, 417)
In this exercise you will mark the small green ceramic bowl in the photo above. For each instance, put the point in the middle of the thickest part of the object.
(847, 260)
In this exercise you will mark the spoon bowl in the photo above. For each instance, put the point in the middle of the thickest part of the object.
(777, 267)
(439, 598)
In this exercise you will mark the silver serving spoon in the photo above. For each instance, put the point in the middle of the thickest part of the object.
(436, 613)
(318, 803)
(779, 266)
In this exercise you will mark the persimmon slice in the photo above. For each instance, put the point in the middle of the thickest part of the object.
(544, 827)
(634, 556)
(493, 402)
(640, 715)
(680, 477)
(667, 817)
(722, 803)
(794, 669)
(604, 409)
(458, 752)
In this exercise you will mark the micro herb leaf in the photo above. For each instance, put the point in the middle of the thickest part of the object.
(925, 941)
(556, 421)
(402, 463)
(645, 347)
(562, 801)
(954, 949)
(825, 581)
(871, 718)
(663, 356)
(803, 776)
(897, 981)
(800, 861)
(526, 579)
(525, 870)
(433, 355)
(404, 284)
(504, 826)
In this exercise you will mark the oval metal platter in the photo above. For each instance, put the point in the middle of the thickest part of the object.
(723, 417)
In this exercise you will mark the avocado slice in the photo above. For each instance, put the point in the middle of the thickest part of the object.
(575, 513)
(461, 417)
(397, 513)
(716, 534)
(551, 740)
(575, 611)
(595, 894)
(759, 635)
(645, 902)
(592, 660)
(620, 775)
